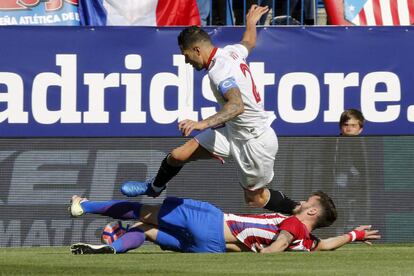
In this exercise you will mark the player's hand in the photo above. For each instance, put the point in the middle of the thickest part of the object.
(255, 13)
(262, 249)
(187, 126)
(366, 234)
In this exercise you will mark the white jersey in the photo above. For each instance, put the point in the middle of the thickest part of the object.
(227, 68)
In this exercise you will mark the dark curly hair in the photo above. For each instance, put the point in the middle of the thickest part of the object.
(190, 35)
(328, 214)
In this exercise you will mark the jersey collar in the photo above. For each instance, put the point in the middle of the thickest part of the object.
(210, 58)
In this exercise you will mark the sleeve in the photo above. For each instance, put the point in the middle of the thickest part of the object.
(291, 225)
(222, 77)
(240, 49)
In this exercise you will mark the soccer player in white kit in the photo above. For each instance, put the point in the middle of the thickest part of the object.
(240, 129)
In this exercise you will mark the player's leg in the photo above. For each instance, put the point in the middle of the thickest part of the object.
(205, 223)
(255, 161)
(256, 198)
(270, 199)
(162, 224)
(118, 209)
(170, 167)
(208, 144)
(135, 237)
(132, 239)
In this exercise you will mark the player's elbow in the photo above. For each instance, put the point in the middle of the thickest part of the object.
(250, 45)
(236, 109)
(240, 110)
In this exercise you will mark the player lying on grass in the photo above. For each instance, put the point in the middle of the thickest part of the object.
(187, 225)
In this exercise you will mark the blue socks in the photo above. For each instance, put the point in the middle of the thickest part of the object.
(132, 239)
(117, 209)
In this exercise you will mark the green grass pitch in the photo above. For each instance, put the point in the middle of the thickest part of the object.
(358, 259)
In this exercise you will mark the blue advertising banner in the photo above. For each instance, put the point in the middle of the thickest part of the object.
(133, 81)
(39, 12)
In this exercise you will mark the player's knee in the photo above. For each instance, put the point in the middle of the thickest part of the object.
(255, 198)
(177, 157)
(252, 202)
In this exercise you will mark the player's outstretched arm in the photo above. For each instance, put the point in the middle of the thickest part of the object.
(362, 233)
(252, 17)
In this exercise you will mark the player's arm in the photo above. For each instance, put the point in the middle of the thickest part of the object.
(361, 233)
(252, 17)
(280, 244)
(232, 108)
(237, 247)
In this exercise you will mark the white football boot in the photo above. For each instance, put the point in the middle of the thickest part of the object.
(75, 208)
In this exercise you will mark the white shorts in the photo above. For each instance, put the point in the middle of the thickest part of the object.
(254, 158)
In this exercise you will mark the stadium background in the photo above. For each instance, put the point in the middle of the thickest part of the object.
(370, 178)
(39, 176)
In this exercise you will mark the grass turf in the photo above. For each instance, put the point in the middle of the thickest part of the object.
(380, 259)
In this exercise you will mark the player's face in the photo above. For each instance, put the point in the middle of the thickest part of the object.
(193, 57)
(351, 128)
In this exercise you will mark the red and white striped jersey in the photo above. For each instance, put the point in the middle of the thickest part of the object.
(260, 230)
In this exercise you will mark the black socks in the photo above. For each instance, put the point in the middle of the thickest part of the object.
(165, 173)
(278, 202)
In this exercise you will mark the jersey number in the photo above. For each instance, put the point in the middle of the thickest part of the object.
(245, 69)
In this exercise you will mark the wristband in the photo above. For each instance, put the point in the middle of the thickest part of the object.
(356, 235)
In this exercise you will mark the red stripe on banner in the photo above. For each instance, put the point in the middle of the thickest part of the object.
(335, 12)
(410, 4)
(394, 13)
(177, 13)
(377, 12)
(362, 18)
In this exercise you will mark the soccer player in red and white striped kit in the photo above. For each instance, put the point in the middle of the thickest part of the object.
(187, 225)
